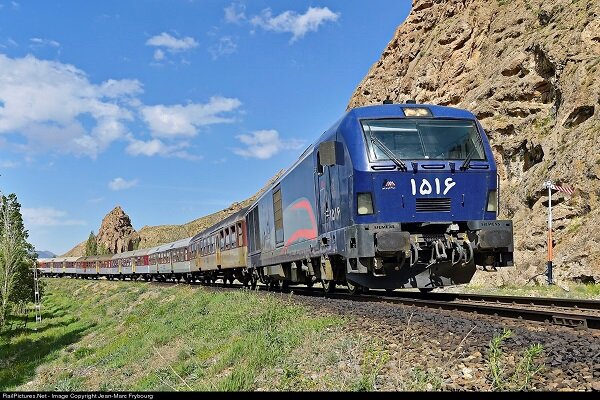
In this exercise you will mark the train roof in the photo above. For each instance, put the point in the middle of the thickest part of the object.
(172, 245)
(124, 254)
(227, 221)
(141, 252)
(154, 249)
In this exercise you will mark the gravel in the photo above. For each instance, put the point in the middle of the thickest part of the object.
(448, 350)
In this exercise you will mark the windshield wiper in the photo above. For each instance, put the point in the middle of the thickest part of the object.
(467, 163)
(399, 163)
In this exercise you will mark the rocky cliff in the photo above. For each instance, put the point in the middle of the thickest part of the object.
(529, 71)
(116, 233)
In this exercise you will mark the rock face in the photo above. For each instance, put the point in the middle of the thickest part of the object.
(528, 69)
(116, 232)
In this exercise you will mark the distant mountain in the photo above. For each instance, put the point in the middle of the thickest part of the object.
(45, 254)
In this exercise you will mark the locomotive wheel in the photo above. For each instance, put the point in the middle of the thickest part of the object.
(354, 288)
(328, 286)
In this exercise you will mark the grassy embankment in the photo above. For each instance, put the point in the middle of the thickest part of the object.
(136, 336)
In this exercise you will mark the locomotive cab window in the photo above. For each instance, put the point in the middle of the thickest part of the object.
(418, 139)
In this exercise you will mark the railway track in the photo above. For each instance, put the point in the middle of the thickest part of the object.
(581, 314)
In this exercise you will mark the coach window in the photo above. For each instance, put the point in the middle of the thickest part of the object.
(240, 234)
(278, 216)
(233, 236)
(227, 238)
(222, 240)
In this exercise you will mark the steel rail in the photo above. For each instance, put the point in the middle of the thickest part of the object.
(521, 312)
(581, 304)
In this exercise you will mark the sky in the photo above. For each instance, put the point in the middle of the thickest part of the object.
(172, 109)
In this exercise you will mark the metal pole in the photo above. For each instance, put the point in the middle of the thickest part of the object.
(549, 271)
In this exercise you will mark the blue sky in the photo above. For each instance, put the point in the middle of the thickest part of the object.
(171, 109)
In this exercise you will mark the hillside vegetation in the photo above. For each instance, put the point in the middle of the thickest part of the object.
(109, 336)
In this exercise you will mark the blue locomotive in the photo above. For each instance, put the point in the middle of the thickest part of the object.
(391, 196)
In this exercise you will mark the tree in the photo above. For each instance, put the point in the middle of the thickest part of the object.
(17, 257)
(102, 250)
(91, 246)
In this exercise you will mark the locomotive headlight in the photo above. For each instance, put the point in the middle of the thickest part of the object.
(416, 112)
(364, 204)
(492, 201)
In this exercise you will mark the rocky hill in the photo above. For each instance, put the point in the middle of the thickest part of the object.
(529, 70)
(117, 233)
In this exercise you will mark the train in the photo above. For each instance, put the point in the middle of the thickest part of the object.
(391, 196)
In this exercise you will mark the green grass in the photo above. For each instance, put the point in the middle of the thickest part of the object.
(521, 377)
(135, 336)
(115, 336)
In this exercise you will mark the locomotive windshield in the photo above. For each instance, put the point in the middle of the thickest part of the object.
(414, 139)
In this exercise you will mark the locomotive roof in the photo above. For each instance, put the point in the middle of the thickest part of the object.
(395, 110)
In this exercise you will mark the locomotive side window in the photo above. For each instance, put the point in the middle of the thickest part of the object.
(278, 216)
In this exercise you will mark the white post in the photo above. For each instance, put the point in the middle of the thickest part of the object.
(549, 270)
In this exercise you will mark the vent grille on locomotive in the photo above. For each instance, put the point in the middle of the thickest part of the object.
(433, 205)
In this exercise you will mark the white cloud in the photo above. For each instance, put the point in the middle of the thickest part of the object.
(296, 24)
(225, 45)
(235, 13)
(265, 144)
(121, 184)
(178, 120)
(157, 147)
(171, 43)
(50, 107)
(56, 108)
(44, 42)
(8, 164)
(47, 216)
(159, 55)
